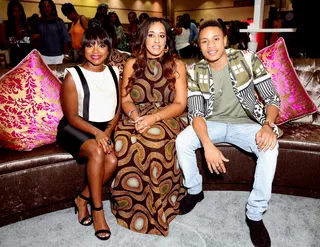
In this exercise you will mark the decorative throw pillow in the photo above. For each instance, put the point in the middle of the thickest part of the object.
(118, 58)
(295, 101)
(30, 108)
(308, 71)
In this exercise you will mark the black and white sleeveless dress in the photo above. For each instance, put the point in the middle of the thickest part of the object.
(98, 102)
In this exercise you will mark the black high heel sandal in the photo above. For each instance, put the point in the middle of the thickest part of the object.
(82, 222)
(102, 230)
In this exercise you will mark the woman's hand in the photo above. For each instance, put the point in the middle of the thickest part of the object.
(104, 141)
(144, 123)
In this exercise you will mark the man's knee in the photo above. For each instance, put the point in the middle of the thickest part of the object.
(183, 139)
(180, 141)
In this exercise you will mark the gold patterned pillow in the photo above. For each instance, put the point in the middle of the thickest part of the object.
(30, 108)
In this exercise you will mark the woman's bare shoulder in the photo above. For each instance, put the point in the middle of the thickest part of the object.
(130, 61)
(180, 64)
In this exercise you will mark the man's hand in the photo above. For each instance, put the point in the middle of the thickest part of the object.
(215, 159)
(266, 138)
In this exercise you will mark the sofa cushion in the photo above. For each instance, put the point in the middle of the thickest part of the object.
(118, 58)
(30, 108)
(300, 137)
(308, 70)
(295, 101)
(12, 161)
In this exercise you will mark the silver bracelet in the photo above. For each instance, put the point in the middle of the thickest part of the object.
(129, 114)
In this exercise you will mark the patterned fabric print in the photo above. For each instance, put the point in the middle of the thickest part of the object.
(148, 185)
(295, 101)
(118, 58)
(30, 107)
(248, 77)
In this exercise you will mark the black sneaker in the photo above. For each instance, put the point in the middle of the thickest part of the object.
(258, 233)
(189, 202)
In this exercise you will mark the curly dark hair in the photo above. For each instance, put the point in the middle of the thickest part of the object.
(53, 5)
(140, 54)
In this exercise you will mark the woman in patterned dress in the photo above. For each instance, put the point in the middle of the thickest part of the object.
(148, 186)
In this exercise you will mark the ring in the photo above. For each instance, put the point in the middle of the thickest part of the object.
(109, 142)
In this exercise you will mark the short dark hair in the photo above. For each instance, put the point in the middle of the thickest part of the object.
(134, 14)
(68, 8)
(209, 23)
(184, 21)
(95, 34)
(103, 6)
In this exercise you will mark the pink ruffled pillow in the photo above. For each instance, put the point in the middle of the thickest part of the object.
(295, 101)
(30, 108)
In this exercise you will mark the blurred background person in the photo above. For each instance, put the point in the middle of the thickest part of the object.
(277, 23)
(177, 20)
(78, 26)
(121, 43)
(17, 33)
(53, 34)
(32, 22)
(225, 31)
(131, 33)
(182, 35)
(142, 17)
(102, 16)
(233, 34)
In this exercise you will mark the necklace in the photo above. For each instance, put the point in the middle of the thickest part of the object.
(217, 77)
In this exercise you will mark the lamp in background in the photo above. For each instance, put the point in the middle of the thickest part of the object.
(252, 44)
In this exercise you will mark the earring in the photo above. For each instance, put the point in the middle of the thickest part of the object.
(166, 49)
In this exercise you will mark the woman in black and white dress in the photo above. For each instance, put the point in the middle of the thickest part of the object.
(90, 101)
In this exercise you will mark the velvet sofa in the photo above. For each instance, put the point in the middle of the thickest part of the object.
(47, 178)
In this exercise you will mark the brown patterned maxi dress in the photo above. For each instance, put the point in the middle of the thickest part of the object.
(148, 185)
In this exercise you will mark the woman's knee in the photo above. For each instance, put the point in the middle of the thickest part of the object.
(111, 161)
(93, 152)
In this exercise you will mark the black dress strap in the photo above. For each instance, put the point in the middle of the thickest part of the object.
(86, 91)
(115, 79)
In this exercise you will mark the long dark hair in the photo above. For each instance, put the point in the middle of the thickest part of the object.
(140, 53)
(117, 22)
(11, 23)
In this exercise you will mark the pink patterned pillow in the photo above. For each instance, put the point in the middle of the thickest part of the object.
(295, 101)
(30, 107)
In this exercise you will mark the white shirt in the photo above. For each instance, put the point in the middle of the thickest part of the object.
(103, 94)
(182, 40)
